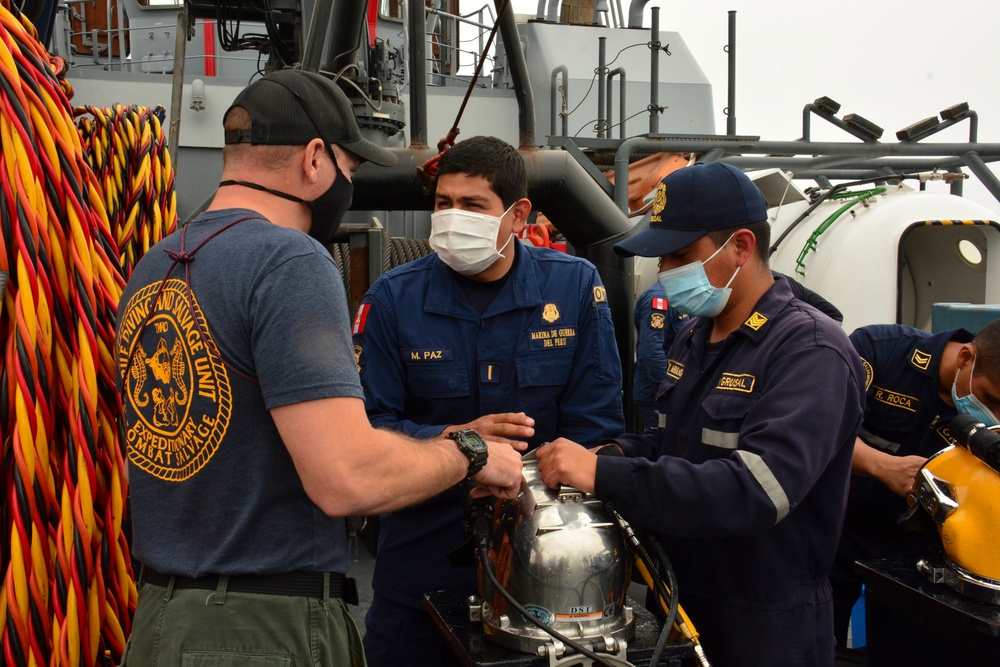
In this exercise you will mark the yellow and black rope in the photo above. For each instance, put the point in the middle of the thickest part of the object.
(77, 210)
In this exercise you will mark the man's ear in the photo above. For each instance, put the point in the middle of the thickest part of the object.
(966, 354)
(520, 211)
(312, 159)
(746, 244)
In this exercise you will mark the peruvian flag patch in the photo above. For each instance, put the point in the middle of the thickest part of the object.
(659, 303)
(361, 319)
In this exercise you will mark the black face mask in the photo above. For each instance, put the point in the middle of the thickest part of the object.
(327, 210)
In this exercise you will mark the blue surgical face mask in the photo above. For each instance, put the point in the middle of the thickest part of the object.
(688, 289)
(970, 405)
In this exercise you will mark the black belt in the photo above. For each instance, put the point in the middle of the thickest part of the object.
(299, 584)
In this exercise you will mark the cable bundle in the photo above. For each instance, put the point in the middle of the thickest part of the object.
(67, 586)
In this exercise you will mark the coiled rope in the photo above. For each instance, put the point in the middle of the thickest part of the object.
(67, 586)
(127, 150)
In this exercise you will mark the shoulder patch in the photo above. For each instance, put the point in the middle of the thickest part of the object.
(921, 360)
(756, 321)
(675, 369)
(357, 356)
(656, 320)
(361, 319)
(659, 303)
(600, 294)
(869, 373)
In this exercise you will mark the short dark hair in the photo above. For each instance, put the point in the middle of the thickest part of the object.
(987, 344)
(268, 157)
(493, 159)
(761, 230)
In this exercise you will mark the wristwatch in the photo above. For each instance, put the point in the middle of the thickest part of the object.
(473, 446)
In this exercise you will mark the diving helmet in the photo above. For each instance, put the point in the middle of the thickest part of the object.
(959, 487)
(562, 556)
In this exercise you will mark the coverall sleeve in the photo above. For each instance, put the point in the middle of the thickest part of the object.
(862, 341)
(786, 439)
(650, 356)
(376, 344)
(590, 408)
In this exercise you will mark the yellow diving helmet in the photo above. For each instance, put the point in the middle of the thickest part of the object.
(959, 487)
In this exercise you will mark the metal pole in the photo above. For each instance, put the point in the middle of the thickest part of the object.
(121, 38)
(319, 30)
(601, 85)
(177, 89)
(554, 99)
(553, 10)
(518, 74)
(416, 21)
(731, 49)
(654, 73)
(621, 101)
(635, 13)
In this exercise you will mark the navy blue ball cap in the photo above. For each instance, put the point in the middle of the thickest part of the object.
(693, 201)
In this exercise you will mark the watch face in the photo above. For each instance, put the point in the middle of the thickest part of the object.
(472, 445)
(474, 439)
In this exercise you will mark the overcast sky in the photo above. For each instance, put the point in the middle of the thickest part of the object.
(892, 62)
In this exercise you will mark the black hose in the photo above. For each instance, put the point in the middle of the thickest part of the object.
(672, 602)
(672, 597)
(826, 195)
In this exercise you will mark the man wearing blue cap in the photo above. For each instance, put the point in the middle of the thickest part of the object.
(746, 482)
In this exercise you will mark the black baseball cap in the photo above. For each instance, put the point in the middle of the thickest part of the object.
(693, 201)
(291, 108)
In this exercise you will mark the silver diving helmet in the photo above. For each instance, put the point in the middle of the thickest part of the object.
(562, 556)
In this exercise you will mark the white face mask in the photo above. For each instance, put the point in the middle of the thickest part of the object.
(466, 241)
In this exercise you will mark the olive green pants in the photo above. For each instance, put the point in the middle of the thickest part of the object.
(201, 628)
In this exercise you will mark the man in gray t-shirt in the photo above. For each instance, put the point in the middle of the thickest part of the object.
(244, 416)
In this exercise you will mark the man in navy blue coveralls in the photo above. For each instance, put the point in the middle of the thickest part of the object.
(656, 326)
(514, 341)
(745, 485)
(910, 375)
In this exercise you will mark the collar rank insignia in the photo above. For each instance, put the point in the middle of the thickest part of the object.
(921, 360)
(550, 313)
(756, 321)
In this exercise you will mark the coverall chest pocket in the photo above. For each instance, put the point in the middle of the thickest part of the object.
(893, 410)
(726, 412)
(544, 370)
(437, 380)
